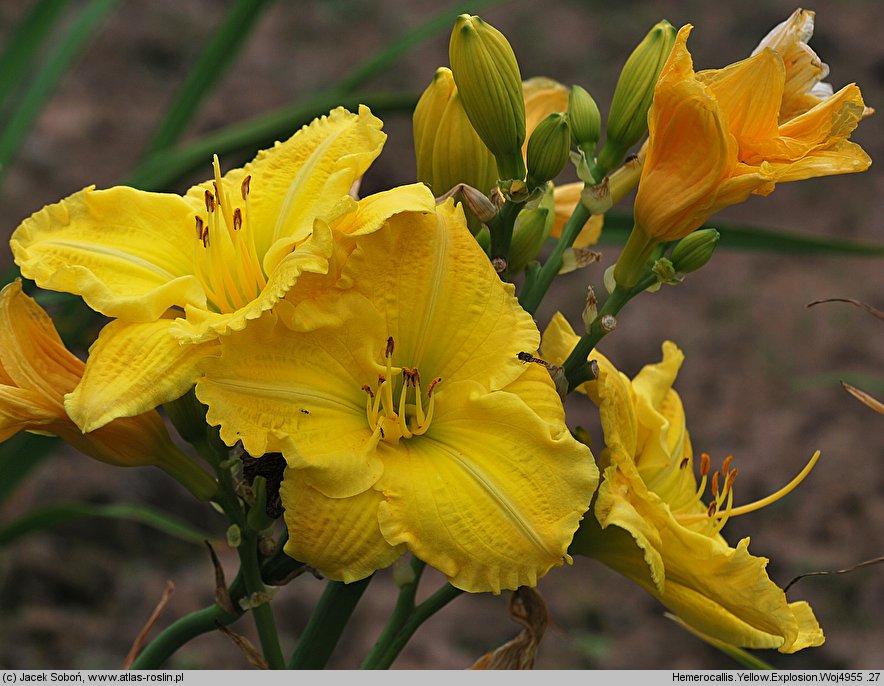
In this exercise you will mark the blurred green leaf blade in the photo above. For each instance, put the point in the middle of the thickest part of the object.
(24, 44)
(43, 85)
(218, 55)
(61, 513)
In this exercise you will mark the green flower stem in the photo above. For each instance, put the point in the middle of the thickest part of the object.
(576, 369)
(261, 610)
(329, 618)
(404, 608)
(530, 298)
(384, 657)
(250, 568)
(501, 228)
(180, 632)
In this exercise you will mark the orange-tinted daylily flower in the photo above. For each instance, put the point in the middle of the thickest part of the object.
(36, 370)
(716, 137)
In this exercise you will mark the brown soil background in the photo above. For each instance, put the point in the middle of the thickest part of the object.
(760, 378)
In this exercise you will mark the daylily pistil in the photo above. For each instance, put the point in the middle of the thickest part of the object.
(225, 258)
(721, 508)
(391, 421)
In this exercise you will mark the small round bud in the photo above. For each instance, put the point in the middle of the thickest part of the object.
(549, 149)
(487, 76)
(694, 250)
(628, 117)
(585, 120)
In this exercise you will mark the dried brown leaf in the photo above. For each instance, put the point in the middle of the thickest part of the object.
(245, 646)
(864, 398)
(865, 563)
(528, 609)
(154, 616)
(868, 308)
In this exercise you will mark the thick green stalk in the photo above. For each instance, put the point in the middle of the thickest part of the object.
(180, 632)
(576, 368)
(530, 298)
(383, 658)
(261, 611)
(187, 628)
(404, 608)
(501, 228)
(329, 618)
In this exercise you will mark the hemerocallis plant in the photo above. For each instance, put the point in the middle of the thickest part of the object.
(650, 524)
(406, 416)
(36, 370)
(716, 137)
(176, 272)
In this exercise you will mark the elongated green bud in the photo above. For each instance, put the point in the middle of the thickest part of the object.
(585, 120)
(490, 85)
(549, 149)
(694, 250)
(628, 117)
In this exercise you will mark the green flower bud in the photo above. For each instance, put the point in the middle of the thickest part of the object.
(531, 230)
(490, 85)
(188, 416)
(549, 149)
(694, 250)
(628, 117)
(585, 120)
(448, 150)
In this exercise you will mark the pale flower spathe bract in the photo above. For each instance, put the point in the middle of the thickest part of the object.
(406, 417)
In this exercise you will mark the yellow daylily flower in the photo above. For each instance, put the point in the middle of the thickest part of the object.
(406, 417)
(36, 370)
(651, 525)
(223, 253)
(715, 138)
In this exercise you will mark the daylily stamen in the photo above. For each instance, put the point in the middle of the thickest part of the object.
(228, 266)
(403, 419)
(758, 504)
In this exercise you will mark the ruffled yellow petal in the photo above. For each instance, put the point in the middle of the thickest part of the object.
(649, 484)
(133, 368)
(447, 310)
(304, 177)
(723, 592)
(302, 394)
(373, 211)
(310, 258)
(339, 537)
(566, 198)
(126, 252)
(492, 494)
